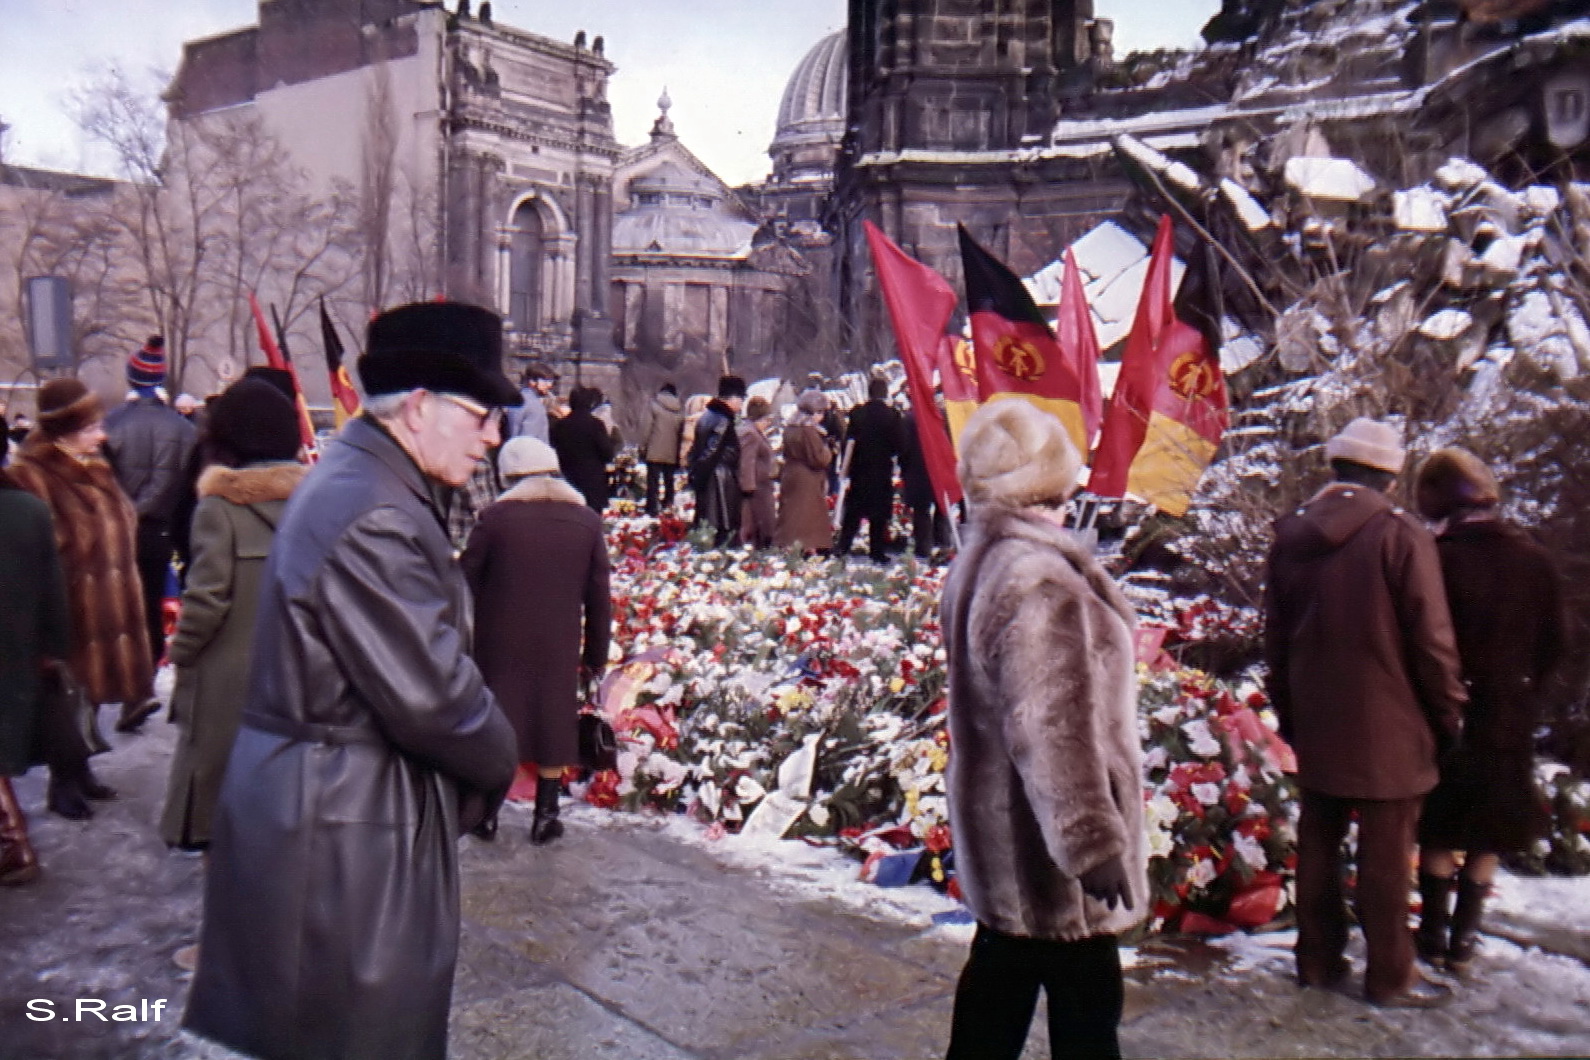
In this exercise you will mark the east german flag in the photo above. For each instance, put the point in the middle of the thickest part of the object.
(1017, 355)
(1169, 408)
(958, 379)
(344, 398)
(920, 302)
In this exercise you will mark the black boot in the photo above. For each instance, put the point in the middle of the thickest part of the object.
(1471, 897)
(65, 798)
(546, 827)
(94, 788)
(1435, 919)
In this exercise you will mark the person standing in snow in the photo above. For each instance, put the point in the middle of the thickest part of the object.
(664, 432)
(873, 440)
(758, 466)
(803, 520)
(540, 542)
(1363, 674)
(714, 462)
(369, 740)
(1044, 785)
(1506, 599)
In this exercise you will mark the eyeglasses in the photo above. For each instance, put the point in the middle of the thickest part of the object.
(483, 415)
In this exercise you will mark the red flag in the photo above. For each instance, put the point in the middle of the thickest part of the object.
(1017, 355)
(344, 398)
(920, 302)
(276, 356)
(1169, 408)
(1081, 345)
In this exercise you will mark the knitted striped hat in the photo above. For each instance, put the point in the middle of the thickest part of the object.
(146, 369)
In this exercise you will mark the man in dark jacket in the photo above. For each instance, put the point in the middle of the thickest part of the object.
(873, 441)
(149, 444)
(1364, 678)
(369, 739)
(714, 462)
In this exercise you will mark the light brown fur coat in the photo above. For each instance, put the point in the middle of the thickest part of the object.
(1045, 764)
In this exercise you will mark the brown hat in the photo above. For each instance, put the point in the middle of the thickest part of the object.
(67, 406)
(1013, 455)
(757, 408)
(1453, 479)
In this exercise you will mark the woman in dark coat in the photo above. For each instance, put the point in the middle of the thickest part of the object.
(33, 630)
(757, 465)
(252, 439)
(1506, 601)
(585, 447)
(95, 536)
(539, 543)
(803, 520)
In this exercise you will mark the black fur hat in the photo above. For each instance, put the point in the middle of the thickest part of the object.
(252, 421)
(446, 347)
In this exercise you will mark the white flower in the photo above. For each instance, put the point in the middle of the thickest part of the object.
(1155, 759)
(1167, 715)
(748, 790)
(1200, 740)
(1206, 794)
(1162, 812)
(1202, 874)
(1160, 843)
(819, 814)
(1251, 851)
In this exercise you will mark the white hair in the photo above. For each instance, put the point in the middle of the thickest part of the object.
(385, 407)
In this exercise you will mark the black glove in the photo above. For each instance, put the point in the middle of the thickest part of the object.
(1106, 882)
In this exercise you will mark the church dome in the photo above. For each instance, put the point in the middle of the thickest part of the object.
(675, 211)
(811, 116)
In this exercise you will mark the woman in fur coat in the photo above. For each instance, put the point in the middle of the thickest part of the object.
(95, 535)
(538, 569)
(1506, 600)
(252, 442)
(1045, 787)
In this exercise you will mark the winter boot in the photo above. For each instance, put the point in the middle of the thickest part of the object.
(65, 798)
(1471, 897)
(546, 827)
(1435, 919)
(94, 788)
(18, 863)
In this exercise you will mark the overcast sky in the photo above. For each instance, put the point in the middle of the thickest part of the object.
(724, 62)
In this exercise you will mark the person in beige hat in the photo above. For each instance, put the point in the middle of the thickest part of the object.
(540, 542)
(1044, 785)
(1363, 674)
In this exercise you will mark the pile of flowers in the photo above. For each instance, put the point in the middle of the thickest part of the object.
(1565, 849)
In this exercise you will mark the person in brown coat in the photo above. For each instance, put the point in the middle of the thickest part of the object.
(757, 468)
(1363, 675)
(1044, 785)
(95, 534)
(1506, 599)
(537, 566)
(803, 520)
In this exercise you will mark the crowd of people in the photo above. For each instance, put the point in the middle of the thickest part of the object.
(370, 652)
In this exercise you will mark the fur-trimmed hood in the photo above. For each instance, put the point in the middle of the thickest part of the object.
(542, 488)
(251, 485)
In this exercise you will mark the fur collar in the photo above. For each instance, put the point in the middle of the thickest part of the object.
(251, 485)
(1029, 524)
(543, 488)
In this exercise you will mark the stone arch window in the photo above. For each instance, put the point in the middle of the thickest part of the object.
(527, 263)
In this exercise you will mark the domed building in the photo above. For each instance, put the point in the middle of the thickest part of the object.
(811, 123)
(696, 288)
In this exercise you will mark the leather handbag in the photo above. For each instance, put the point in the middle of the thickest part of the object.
(598, 742)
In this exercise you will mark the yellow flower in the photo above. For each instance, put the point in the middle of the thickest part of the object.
(897, 685)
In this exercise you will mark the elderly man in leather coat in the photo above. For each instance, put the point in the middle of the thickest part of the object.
(369, 739)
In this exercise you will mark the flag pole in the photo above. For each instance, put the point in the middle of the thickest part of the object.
(950, 516)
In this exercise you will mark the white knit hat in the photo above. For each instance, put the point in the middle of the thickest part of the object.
(524, 455)
(1015, 455)
(1368, 442)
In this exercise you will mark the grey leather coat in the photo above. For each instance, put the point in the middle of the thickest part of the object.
(331, 899)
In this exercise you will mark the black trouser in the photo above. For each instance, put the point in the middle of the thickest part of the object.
(929, 529)
(659, 473)
(877, 509)
(998, 992)
(154, 559)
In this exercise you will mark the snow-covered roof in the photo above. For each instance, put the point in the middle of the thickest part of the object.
(1336, 179)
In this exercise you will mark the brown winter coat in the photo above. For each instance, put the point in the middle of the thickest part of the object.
(1045, 774)
(1363, 668)
(665, 432)
(757, 467)
(803, 518)
(1506, 601)
(538, 568)
(95, 529)
(233, 526)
